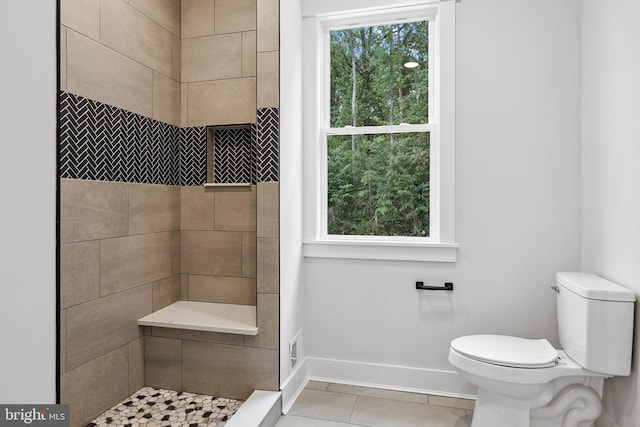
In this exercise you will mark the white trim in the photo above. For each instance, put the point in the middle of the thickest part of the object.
(312, 9)
(377, 16)
(293, 386)
(368, 130)
(390, 251)
(446, 98)
(390, 377)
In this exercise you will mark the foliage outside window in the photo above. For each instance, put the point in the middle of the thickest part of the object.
(379, 135)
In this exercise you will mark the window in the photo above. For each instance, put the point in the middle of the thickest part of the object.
(382, 157)
(379, 131)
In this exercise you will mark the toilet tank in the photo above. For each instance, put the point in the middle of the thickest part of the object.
(595, 322)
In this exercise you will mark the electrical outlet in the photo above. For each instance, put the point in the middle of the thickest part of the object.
(293, 354)
(294, 349)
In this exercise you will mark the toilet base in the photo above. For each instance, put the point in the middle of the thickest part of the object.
(499, 416)
(576, 405)
(495, 410)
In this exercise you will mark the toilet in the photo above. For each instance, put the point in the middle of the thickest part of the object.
(528, 383)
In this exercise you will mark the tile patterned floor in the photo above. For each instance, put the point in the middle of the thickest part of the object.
(151, 407)
(324, 404)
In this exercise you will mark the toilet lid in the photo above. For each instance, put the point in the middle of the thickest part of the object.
(508, 351)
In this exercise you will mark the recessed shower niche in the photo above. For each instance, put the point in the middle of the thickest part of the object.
(231, 155)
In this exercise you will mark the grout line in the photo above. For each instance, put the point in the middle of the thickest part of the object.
(121, 54)
(186, 103)
(355, 402)
(129, 366)
(66, 338)
(153, 112)
(99, 22)
(213, 18)
(100, 267)
(181, 365)
(153, 20)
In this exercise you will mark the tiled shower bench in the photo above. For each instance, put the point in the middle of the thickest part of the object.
(262, 408)
(205, 316)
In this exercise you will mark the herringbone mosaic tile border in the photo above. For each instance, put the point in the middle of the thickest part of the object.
(233, 155)
(105, 143)
(193, 156)
(268, 137)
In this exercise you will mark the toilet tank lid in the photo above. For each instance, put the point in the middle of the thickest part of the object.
(595, 287)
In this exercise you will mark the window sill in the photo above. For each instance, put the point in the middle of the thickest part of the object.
(389, 251)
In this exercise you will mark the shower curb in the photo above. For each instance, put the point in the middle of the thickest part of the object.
(262, 409)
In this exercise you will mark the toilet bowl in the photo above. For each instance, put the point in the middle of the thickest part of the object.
(520, 376)
(528, 383)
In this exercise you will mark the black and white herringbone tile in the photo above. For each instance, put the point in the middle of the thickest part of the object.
(254, 152)
(131, 148)
(171, 156)
(232, 155)
(103, 142)
(268, 131)
(193, 156)
(106, 142)
(66, 153)
(75, 147)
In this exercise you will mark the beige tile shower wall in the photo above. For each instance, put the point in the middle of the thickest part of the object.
(212, 221)
(242, 363)
(268, 266)
(189, 62)
(126, 54)
(268, 53)
(119, 243)
(218, 62)
(218, 244)
(209, 362)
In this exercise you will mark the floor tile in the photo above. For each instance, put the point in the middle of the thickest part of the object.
(160, 407)
(317, 385)
(376, 412)
(452, 402)
(295, 421)
(380, 393)
(324, 405)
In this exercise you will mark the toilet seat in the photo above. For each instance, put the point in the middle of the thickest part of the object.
(508, 351)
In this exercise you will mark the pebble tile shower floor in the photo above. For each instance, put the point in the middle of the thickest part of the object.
(153, 407)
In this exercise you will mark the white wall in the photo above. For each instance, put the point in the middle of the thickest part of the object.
(611, 168)
(518, 212)
(28, 176)
(292, 293)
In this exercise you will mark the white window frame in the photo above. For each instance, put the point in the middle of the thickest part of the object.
(440, 246)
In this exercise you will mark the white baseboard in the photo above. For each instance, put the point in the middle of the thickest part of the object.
(293, 386)
(391, 377)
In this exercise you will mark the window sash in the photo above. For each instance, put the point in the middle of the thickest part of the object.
(323, 190)
(372, 130)
(388, 19)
